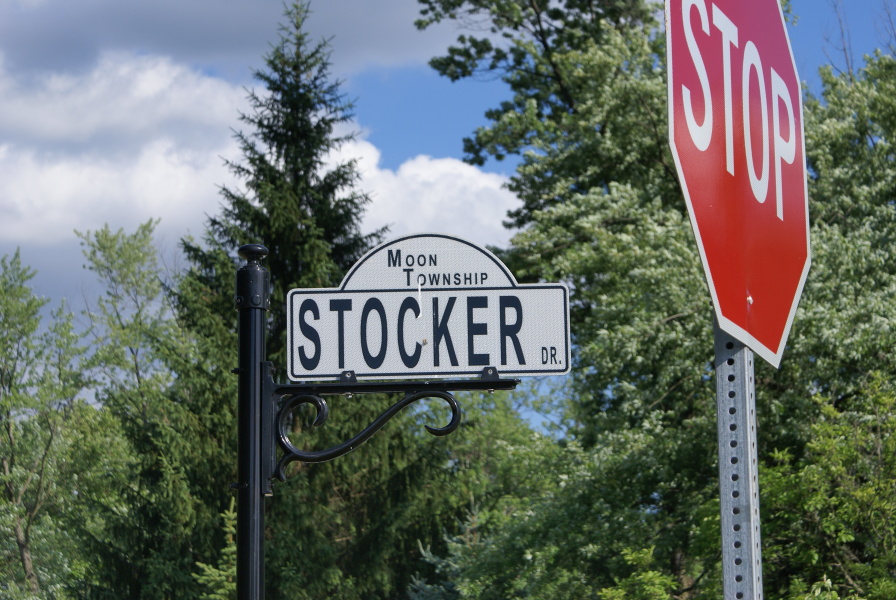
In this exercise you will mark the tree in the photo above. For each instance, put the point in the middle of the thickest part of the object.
(219, 580)
(164, 516)
(602, 212)
(41, 380)
(534, 47)
(301, 206)
(838, 500)
(20, 363)
(348, 528)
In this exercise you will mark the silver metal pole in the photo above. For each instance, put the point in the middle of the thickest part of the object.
(738, 469)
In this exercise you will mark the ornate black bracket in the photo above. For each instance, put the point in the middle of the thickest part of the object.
(282, 399)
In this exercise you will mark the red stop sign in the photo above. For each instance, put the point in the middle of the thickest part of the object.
(736, 131)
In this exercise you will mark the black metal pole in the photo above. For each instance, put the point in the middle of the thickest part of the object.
(252, 302)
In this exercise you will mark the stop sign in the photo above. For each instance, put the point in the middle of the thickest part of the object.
(736, 132)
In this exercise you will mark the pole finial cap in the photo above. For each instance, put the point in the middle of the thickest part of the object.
(253, 252)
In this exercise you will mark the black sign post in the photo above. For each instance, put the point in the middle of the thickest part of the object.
(252, 302)
(265, 408)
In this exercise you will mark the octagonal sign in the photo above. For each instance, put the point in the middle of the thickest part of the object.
(736, 132)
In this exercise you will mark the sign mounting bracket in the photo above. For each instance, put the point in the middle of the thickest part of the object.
(280, 400)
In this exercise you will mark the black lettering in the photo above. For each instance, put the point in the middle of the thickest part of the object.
(468, 279)
(440, 330)
(544, 355)
(409, 360)
(341, 307)
(432, 260)
(474, 329)
(554, 360)
(408, 275)
(309, 363)
(373, 361)
(457, 279)
(409, 260)
(482, 278)
(394, 259)
(511, 330)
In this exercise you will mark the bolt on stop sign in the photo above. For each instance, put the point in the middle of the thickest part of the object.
(736, 132)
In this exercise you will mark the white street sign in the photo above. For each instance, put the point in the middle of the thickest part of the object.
(428, 305)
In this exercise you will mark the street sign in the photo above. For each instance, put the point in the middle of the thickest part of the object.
(428, 305)
(736, 132)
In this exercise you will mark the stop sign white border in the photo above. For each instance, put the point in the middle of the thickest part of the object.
(772, 355)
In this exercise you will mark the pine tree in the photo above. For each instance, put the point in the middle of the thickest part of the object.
(303, 208)
(219, 581)
(349, 528)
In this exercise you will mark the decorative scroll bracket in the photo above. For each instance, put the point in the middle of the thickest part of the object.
(279, 400)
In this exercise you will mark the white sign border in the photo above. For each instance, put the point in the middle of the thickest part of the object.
(472, 372)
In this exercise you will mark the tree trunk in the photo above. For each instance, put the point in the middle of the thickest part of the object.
(25, 553)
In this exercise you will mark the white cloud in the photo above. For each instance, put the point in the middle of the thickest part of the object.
(44, 200)
(439, 195)
(228, 37)
(139, 137)
(123, 97)
(133, 139)
(117, 113)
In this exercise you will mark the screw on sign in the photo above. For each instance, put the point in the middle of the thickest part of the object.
(736, 131)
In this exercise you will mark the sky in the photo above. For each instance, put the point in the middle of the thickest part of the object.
(118, 112)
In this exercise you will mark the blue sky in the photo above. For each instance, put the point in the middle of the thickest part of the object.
(117, 112)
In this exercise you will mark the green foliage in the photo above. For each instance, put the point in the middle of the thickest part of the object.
(349, 528)
(838, 499)
(645, 583)
(172, 496)
(125, 496)
(536, 48)
(219, 581)
(44, 447)
(602, 211)
(304, 209)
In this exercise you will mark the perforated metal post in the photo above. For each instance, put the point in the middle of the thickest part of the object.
(738, 469)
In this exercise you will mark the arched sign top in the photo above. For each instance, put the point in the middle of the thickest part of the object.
(427, 261)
